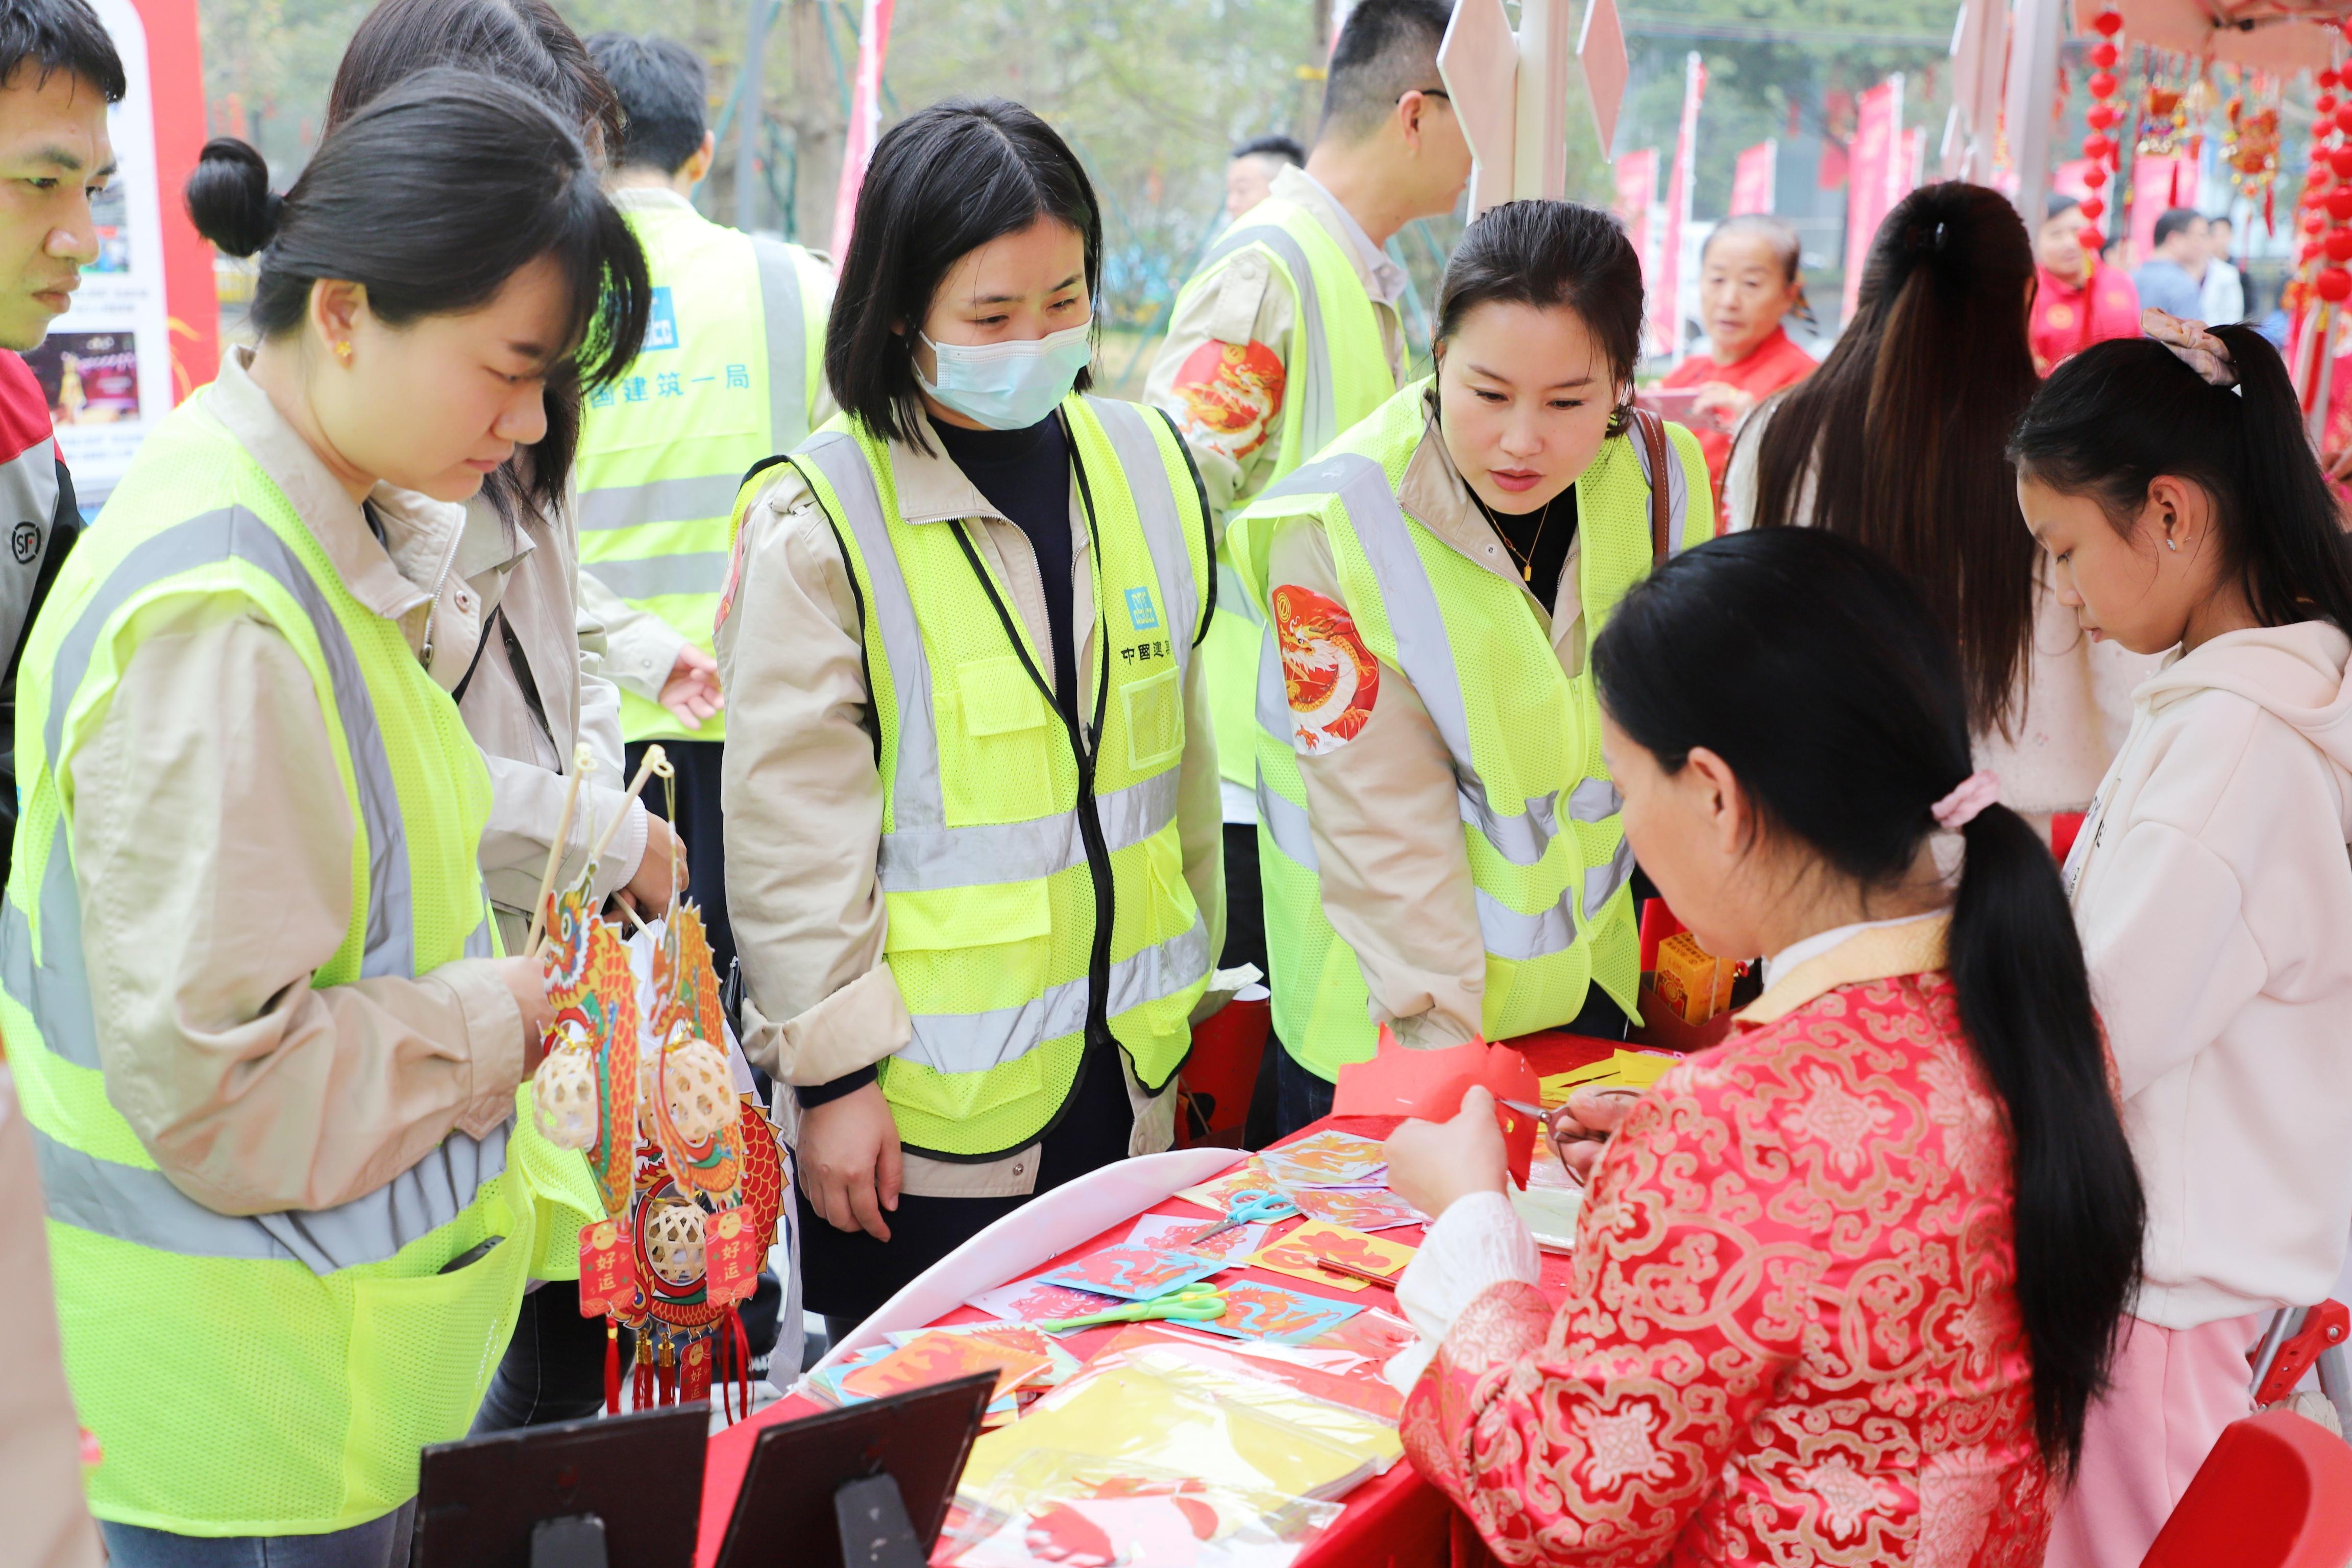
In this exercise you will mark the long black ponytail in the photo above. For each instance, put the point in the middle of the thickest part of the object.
(2121, 413)
(1813, 668)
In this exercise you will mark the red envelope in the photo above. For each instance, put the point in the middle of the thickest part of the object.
(1430, 1084)
(608, 1268)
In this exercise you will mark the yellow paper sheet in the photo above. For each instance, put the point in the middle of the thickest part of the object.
(1225, 1430)
(1626, 1069)
(1287, 1256)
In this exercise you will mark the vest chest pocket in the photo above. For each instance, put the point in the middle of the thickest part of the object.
(999, 765)
(1154, 710)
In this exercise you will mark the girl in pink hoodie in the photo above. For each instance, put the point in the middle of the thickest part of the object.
(2169, 479)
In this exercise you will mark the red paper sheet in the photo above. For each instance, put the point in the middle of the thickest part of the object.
(1430, 1084)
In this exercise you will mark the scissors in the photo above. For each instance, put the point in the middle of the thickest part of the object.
(1249, 1207)
(1199, 1303)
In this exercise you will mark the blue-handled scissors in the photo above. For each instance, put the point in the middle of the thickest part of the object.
(1248, 1206)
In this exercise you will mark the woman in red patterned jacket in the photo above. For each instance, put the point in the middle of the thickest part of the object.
(1844, 1283)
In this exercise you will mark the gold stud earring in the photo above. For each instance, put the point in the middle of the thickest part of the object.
(344, 350)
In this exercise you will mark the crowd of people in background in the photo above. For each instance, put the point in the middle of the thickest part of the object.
(1014, 725)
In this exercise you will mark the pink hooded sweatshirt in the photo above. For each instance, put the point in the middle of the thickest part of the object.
(2212, 887)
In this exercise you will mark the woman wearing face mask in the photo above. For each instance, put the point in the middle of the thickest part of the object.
(1440, 839)
(972, 803)
(274, 1054)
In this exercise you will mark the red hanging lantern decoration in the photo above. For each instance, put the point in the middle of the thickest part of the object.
(2334, 284)
(2104, 116)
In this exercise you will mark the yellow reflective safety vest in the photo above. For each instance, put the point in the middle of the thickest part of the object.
(271, 1374)
(733, 362)
(1335, 372)
(1033, 875)
(1539, 817)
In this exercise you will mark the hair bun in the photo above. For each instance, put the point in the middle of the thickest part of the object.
(229, 197)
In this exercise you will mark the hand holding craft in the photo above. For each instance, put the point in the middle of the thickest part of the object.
(1432, 1164)
(1581, 1129)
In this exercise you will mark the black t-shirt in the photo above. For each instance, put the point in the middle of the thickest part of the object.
(1025, 475)
(1538, 542)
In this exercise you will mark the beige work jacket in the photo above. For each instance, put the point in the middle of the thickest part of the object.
(803, 793)
(212, 845)
(1248, 303)
(527, 576)
(1383, 806)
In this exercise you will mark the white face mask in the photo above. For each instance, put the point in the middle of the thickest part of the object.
(1009, 386)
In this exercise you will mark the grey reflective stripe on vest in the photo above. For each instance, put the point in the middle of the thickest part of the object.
(142, 1205)
(695, 497)
(921, 851)
(1363, 486)
(975, 1042)
(780, 304)
(234, 533)
(917, 808)
(1163, 517)
(657, 500)
(915, 859)
(144, 1208)
(652, 576)
(1318, 421)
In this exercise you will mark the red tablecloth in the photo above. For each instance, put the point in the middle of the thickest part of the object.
(1393, 1520)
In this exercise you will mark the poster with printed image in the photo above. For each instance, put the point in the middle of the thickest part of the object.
(108, 364)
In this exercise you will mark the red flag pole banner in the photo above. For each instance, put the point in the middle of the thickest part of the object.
(1665, 299)
(1875, 177)
(144, 328)
(1752, 179)
(865, 120)
(1637, 188)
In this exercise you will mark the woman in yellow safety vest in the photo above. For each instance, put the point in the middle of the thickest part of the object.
(971, 858)
(1439, 837)
(270, 1051)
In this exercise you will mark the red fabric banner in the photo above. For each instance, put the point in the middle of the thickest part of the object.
(1637, 188)
(865, 118)
(1753, 178)
(1873, 183)
(1665, 299)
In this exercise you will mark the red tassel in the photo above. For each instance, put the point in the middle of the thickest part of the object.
(742, 1356)
(666, 1373)
(612, 1366)
(642, 1384)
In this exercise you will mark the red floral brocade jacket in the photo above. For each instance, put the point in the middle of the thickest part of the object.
(1791, 1332)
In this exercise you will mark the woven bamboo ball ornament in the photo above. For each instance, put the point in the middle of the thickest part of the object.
(674, 1243)
(563, 1092)
(700, 1090)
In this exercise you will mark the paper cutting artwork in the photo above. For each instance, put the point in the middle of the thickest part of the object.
(1175, 1233)
(1298, 1253)
(1133, 1273)
(1256, 1311)
(1357, 1210)
(592, 1044)
(691, 1093)
(1328, 1160)
(1034, 1301)
(935, 1358)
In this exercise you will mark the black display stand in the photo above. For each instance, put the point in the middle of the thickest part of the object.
(612, 1492)
(864, 1487)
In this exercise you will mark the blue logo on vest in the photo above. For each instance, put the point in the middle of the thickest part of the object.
(1140, 611)
(661, 329)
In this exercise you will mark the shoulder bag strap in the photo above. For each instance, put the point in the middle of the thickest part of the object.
(1652, 433)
